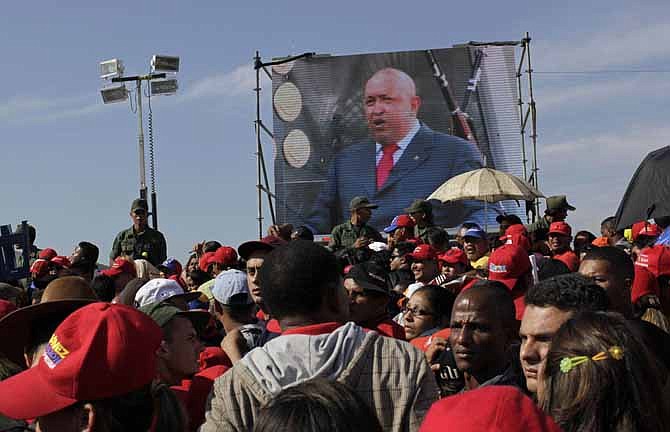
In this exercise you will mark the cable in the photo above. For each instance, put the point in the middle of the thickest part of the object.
(602, 71)
(152, 161)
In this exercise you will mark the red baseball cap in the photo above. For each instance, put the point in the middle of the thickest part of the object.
(644, 284)
(423, 252)
(508, 263)
(400, 221)
(560, 228)
(644, 228)
(47, 254)
(490, 408)
(516, 235)
(204, 261)
(267, 244)
(224, 255)
(656, 259)
(121, 265)
(61, 261)
(453, 256)
(39, 268)
(100, 351)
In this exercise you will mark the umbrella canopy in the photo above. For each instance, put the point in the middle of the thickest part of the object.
(648, 193)
(485, 184)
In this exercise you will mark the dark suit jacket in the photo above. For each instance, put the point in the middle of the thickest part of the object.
(429, 160)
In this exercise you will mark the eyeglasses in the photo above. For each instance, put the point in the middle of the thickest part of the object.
(140, 213)
(415, 312)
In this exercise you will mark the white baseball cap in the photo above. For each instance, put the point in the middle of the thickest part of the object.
(158, 290)
(231, 288)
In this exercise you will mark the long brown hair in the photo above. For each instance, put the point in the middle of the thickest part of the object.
(606, 395)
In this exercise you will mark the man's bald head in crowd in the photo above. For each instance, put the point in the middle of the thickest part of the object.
(391, 105)
(483, 326)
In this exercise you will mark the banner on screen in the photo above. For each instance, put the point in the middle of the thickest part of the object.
(392, 127)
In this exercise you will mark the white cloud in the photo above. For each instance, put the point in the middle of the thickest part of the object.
(553, 95)
(26, 108)
(239, 81)
(594, 171)
(625, 43)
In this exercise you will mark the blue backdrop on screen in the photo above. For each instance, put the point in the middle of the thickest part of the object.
(326, 154)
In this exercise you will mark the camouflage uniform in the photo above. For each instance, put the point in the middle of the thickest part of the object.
(149, 245)
(344, 235)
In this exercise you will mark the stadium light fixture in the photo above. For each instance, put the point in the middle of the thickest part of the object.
(161, 81)
(161, 63)
(164, 87)
(111, 69)
(114, 94)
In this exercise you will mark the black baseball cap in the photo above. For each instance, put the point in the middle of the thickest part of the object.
(370, 276)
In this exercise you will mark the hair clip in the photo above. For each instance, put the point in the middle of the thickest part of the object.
(568, 363)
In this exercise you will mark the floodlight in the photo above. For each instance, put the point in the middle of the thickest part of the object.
(114, 94)
(160, 63)
(164, 87)
(111, 68)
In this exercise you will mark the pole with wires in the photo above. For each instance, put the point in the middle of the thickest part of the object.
(140, 138)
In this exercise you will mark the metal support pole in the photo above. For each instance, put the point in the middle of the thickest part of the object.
(533, 122)
(140, 136)
(259, 185)
(522, 128)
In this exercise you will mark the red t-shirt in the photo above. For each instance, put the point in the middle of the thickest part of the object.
(193, 394)
(314, 329)
(390, 328)
(570, 259)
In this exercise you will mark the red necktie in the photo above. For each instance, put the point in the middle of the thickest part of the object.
(385, 164)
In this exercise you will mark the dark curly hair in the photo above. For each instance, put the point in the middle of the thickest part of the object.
(568, 292)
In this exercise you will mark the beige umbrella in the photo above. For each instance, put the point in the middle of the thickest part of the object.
(485, 184)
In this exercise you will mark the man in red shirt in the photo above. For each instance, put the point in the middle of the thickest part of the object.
(560, 236)
(368, 290)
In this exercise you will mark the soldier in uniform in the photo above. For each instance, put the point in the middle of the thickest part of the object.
(421, 211)
(355, 233)
(557, 211)
(139, 241)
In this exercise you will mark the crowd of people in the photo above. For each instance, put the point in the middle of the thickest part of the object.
(397, 328)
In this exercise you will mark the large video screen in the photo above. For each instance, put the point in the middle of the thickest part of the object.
(392, 127)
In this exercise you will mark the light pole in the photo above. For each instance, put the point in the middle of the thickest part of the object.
(158, 85)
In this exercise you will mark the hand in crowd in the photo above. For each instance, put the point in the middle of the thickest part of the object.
(362, 242)
(436, 347)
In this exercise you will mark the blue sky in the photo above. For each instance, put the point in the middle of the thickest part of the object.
(69, 163)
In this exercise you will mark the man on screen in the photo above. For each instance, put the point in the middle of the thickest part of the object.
(402, 161)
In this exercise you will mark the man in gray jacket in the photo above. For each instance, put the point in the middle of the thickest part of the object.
(303, 288)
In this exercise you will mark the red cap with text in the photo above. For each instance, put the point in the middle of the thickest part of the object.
(644, 284)
(516, 235)
(508, 263)
(100, 351)
(644, 228)
(656, 259)
(560, 228)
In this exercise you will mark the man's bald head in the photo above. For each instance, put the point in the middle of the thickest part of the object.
(482, 328)
(404, 82)
(391, 105)
(492, 298)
